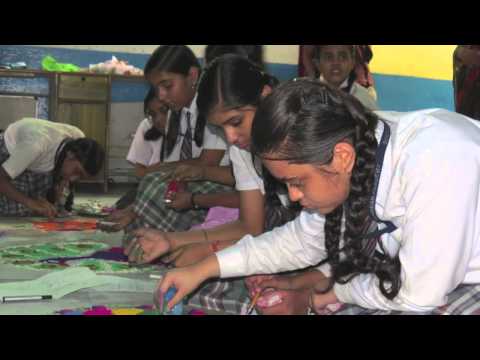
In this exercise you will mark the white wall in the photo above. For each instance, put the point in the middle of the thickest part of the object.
(279, 54)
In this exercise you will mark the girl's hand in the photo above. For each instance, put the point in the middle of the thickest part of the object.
(319, 301)
(189, 254)
(189, 173)
(284, 302)
(121, 219)
(43, 207)
(253, 283)
(181, 201)
(184, 280)
(148, 245)
(60, 190)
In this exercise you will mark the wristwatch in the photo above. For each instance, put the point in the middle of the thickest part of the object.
(194, 205)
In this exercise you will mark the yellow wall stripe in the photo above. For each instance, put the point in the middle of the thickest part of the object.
(424, 61)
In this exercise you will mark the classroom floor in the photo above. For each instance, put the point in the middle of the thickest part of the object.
(130, 288)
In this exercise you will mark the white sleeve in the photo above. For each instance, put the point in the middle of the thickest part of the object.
(296, 245)
(438, 232)
(140, 151)
(213, 139)
(364, 97)
(246, 178)
(22, 157)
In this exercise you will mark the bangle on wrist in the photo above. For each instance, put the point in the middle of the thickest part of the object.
(192, 200)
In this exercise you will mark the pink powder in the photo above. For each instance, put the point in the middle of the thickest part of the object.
(197, 313)
(98, 311)
(218, 216)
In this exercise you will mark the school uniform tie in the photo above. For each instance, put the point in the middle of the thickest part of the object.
(186, 151)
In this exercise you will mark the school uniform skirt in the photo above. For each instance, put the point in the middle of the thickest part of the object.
(29, 183)
(230, 296)
(152, 212)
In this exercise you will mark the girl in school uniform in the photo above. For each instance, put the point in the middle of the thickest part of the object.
(384, 217)
(146, 147)
(336, 66)
(229, 93)
(217, 215)
(173, 71)
(40, 160)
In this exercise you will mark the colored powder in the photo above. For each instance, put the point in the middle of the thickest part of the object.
(72, 225)
(196, 312)
(98, 311)
(151, 313)
(71, 312)
(127, 311)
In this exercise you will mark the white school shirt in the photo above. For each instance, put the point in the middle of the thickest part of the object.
(246, 177)
(429, 189)
(148, 152)
(33, 143)
(360, 93)
(145, 152)
(212, 138)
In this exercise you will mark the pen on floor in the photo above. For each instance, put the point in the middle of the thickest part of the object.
(156, 277)
(10, 299)
(253, 303)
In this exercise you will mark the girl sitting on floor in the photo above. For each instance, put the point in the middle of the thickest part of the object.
(392, 227)
(173, 71)
(40, 160)
(147, 145)
(230, 91)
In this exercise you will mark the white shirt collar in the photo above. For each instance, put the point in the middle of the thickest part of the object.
(342, 86)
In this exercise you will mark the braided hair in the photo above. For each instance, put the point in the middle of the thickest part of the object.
(87, 151)
(301, 122)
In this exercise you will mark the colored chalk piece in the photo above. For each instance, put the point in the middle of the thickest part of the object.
(177, 309)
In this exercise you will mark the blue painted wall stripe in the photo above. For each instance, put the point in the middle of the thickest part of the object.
(398, 93)
(401, 93)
